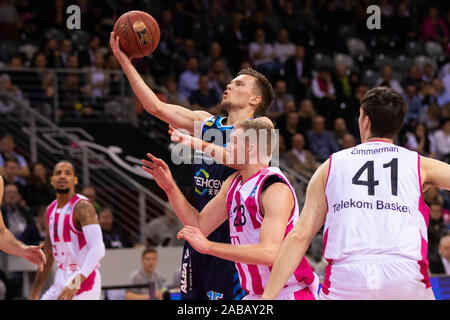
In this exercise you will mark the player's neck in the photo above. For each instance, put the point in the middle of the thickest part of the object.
(236, 115)
(379, 139)
(63, 198)
(250, 170)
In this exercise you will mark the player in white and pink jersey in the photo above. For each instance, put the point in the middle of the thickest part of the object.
(73, 239)
(370, 199)
(261, 208)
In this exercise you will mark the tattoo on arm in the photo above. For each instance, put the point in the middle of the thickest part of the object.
(84, 214)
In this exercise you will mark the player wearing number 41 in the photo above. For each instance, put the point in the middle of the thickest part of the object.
(74, 239)
(376, 243)
(260, 206)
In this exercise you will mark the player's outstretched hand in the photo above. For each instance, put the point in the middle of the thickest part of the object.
(187, 140)
(35, 255)
(160, 171)
(115, 46)
(196, 239)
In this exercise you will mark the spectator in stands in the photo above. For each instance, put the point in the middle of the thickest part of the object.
(188, 80)
(342, 83)
(387, 80)
(431, 117)
(186, 52)
(90, 193)
(8, 151)
(281, 96)
(339, 131)
(169, 89)
(65, 49)
(414, 104)
(10, 22)
(434, 28)
(298, 73)
(34, 233)
(428, 73)
(284, 48)
(289, 128)
(146, 276)
(74, 100)
(215, 53)
(205, 98)
(11, 175)
(413, 77)
(162, 231)
(320, 141)
(86, 57)
(442, 141)
(97, 79)
(432, 195)
(41, 96)
(305, 115)
(301, 160)
(235, 45)
(421, 141)
(52, 53)
(262, 55)
(436, 228)
(15, 213)
(8, 88)
(441, 96)
(113, 237)
(219, 76)
(324, 93)
(270, 15)
(348, 141)
(38, 190)
(257, 22)
(440, 261)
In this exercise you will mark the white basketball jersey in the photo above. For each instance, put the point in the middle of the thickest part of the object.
(68, 243)
(245, 219)
(375, 205)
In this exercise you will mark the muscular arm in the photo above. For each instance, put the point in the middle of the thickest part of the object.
(434, 172)
(177, 116)
(278, 203)
(296, 243)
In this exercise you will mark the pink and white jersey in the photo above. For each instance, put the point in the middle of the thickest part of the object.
(245, 219)
(375, 207)
(68, 243)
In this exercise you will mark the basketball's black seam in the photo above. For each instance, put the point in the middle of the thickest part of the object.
(133, 32)
(149, 29)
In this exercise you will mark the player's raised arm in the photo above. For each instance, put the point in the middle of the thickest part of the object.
(297, 241)
(177, 116)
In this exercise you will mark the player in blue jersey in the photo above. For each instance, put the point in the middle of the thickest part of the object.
(247, 96)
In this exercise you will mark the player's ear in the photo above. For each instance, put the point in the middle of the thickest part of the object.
(255, 100)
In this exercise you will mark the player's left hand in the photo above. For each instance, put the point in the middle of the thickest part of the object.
(72, 288)
(195, 237)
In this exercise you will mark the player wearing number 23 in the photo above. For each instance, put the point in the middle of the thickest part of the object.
(369, 199)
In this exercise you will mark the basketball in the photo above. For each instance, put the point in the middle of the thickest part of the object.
(138, 33)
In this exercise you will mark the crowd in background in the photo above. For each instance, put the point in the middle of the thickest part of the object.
(203, 45)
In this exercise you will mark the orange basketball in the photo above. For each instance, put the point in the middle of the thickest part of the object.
(138, 33)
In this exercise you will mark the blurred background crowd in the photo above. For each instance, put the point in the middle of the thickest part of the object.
(320, 57)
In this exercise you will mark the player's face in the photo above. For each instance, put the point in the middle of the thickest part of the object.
(64, 177)
(240, 92)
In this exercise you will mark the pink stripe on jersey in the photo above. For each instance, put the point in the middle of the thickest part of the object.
(50, 210)
(87, 284)
(423, 207)
(326, 282)
(256, 279)
(230, 194)
(81, 241)
(55, 228)
(242, 276)
(304, 294)
(250, 203)
(66, 229)
(424, 262)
